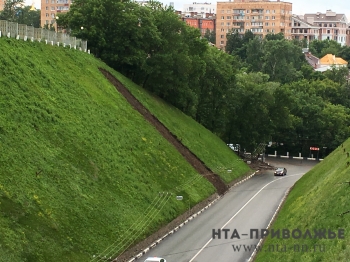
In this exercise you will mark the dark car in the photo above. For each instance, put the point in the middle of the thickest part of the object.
(280, 171)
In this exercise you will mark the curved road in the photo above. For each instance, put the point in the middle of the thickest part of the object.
(249, 205)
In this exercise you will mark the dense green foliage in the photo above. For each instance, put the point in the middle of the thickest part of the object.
(15, 11)
(249, 94)
(79, 167)
(315, 203)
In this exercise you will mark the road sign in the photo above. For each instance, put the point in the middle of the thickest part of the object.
(314, 148)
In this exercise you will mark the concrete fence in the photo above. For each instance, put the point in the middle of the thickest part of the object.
(312, 157)
(29, 33)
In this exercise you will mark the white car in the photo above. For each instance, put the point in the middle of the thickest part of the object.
(155, 259)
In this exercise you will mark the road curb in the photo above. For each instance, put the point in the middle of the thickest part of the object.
(155, 243)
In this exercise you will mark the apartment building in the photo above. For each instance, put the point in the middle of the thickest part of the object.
(2, 5)
(301, 29)
(260, 16)
(332, 26)
(198, 21)
(51, 8)
(348, 35)
(199, 8)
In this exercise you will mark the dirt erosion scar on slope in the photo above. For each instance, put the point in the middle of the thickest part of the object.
(197, 164)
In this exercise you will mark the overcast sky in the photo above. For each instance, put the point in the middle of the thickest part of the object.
(299, 6)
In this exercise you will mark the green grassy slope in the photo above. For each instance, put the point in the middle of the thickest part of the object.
(205, 145)
(315, 203)
(78, 166)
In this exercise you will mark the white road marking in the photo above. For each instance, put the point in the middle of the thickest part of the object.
(206, 244)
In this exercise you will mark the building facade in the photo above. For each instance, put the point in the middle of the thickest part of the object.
(2, 5)
(332, 26)
(51, 8)
(200, 22)
(199, 8)
(301, 29)
(262, 17)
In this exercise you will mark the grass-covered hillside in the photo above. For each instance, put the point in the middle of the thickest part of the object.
(80, 169)
(315, 203)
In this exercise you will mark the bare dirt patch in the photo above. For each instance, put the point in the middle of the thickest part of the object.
(201, 168)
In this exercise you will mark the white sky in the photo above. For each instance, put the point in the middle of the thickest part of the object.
(299, 6)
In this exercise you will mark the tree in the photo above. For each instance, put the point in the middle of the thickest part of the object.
(320, 48)
(214, 96)
(11, 10)
(210, 36)
(122, 33)
(28, 16)
(255, 54)
(271, 36)
(337, 74)
(234, 41)
(250, 121)
(282, 60)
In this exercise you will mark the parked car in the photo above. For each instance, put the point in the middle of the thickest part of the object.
(280, 171)
(155, 259)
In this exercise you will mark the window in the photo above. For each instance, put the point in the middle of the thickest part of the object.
(266, 24)
(222, 30)
(328, 31)
(273, 24)
(222, 11)
(47, 8)
(228, 11)
(248, 11)
(228, 23)
(47, 22)
(222, 36)
(47, 1)
(273, 11)
(267, 11)
(272, 17)
(52, 8)
(267, 17)
(221, 42)
(222, 23)
(325, 25)
(47, 15)
(52, 1)
(228, 17)
(222, 17)
(247, 17)
(272, 30)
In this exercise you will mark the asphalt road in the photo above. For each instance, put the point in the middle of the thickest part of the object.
(249, 205)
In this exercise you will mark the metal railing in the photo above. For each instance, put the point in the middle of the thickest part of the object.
(24, 32)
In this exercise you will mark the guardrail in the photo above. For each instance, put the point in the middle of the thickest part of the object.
(30, 33)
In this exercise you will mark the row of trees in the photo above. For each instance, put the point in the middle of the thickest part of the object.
(16, 11)
(259, 90)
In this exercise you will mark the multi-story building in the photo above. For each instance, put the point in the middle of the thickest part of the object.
(301, 29)
(348, 35)
(51, 8)
(199, 8)
(2, 5)
(262, 17)
(332, 26)
(202, 23)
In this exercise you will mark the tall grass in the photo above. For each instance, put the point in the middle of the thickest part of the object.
(80, 170)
